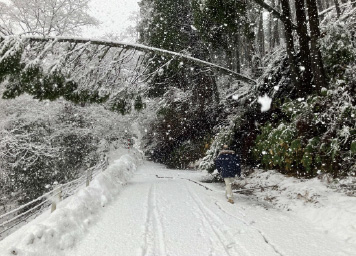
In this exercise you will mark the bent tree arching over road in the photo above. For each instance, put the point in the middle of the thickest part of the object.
(83, 70)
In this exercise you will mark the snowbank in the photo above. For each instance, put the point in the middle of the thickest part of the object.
(50, 234)
(313, 200)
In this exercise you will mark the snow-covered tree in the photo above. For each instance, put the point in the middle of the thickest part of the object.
(189, 93)
(46, 142)
(45, 17)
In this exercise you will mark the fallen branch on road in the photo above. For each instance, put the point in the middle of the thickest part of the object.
(162, 177)
(207, 188)
(252, 189)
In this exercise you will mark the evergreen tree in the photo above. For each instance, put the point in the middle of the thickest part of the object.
(221, 23)
(169, 25)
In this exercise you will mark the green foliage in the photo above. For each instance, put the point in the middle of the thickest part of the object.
(187, 153)
(180, 126)
(223, 25)
(219, 21)
(282, 149)
(23, 77)
(338, 50)
(306, 145)
(189, 92)
(10, 61)
(53, 86)
(277, 147)
(121, 105)
(138, 104)
(353, 148)
(302, 136)
(165, 25)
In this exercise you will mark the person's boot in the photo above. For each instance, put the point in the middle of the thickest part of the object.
(231, 201)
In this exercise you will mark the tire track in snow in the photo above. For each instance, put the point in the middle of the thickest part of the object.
(159, 226)
(226, 239)
(247, 224)
(146, 247)
(153, 231)
(203, 224)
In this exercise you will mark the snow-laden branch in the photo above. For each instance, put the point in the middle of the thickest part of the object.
(333, 7)
(20, 147)
(141, 48)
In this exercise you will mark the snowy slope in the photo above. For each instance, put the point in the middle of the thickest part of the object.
(313, 199)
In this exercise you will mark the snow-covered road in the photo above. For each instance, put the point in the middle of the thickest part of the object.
(164, 212)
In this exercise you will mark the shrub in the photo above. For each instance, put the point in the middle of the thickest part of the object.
(320, 137)
(338, 50)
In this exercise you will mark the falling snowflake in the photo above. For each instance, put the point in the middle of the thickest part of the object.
(265, 102)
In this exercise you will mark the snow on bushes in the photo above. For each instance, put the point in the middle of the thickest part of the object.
(317, 133)
(316, 136)
(51, 233)
(338, 49)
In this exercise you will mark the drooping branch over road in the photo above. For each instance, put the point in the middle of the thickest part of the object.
(138, 47)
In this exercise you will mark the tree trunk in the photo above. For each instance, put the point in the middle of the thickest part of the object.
(236, 53)
(282, 37)
(275, 35)
(275, 30)
(233, 53)
(270, 34)
(248, 53)
(337, 6)
(290, 44)
(316, 60)
(261, 37)
(302, 31)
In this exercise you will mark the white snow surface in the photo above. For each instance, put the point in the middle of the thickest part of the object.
(171, 212)
(315, 199)
(51, 234)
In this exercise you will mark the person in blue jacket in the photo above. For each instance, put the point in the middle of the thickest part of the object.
(228, 165)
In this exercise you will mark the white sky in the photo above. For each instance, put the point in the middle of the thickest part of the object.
(114, 16)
